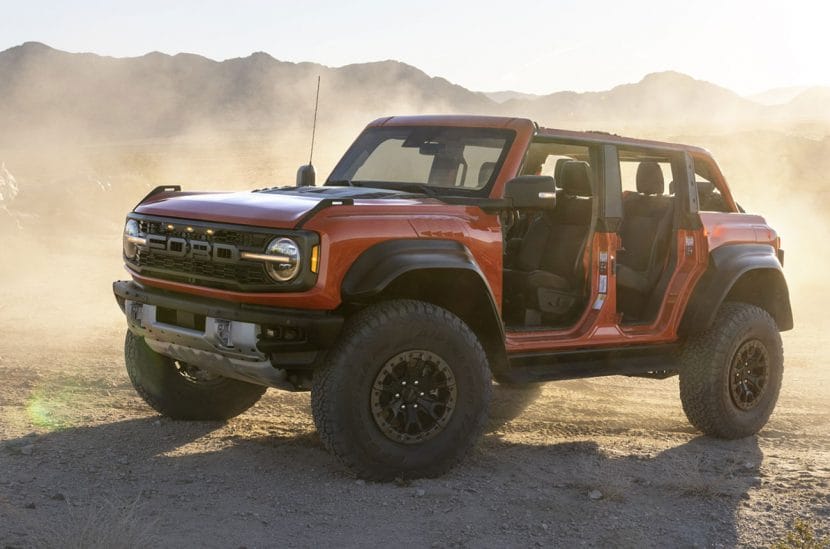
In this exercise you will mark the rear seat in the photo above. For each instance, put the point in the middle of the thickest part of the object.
(646, 232)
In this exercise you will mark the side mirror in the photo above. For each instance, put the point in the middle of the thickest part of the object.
(306, 176)
(533, 192)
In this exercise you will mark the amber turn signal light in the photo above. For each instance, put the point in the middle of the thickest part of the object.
(315, 258)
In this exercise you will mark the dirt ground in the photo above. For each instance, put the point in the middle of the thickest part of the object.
(606, 462)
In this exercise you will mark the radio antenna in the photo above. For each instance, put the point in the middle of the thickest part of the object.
(314, 125)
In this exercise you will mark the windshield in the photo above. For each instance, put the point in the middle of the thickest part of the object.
(437, 160)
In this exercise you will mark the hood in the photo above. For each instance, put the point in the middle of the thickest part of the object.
(279, 208)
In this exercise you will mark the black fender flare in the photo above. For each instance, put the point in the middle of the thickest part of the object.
(727, 266)
(380, 265)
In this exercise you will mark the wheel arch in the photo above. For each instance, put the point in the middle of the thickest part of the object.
(441, 272)
(749, 273)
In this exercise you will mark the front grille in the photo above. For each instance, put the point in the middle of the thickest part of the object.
(241, 276)
(179, 269)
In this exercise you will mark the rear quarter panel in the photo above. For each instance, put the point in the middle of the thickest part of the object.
(721, 229)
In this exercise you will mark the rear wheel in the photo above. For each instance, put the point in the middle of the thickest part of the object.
(405, 392)
(184, 391)
(731, 374)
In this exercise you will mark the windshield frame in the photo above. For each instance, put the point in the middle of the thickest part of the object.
(348, 159)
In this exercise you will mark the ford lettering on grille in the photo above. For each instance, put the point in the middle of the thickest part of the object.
(196, 249)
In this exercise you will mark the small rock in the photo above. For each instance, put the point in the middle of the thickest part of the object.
(545, 527)
(595, 494)
(157, 422)
(749, 465)
(58, 497)
(360, 482)
(420, 492)
(27, 449)
(30, 505)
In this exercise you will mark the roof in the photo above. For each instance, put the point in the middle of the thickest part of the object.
(461, 120)
(519, 124)
(594, 136)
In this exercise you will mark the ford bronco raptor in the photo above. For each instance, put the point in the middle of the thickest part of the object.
(443, 252)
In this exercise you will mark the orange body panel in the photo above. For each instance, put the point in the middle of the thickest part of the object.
(732, 228)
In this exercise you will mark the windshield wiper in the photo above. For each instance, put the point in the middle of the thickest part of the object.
(421, 188)
(424, 189)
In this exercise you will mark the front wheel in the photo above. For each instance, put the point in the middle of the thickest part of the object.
(184, 391)
(730, 375)
(405, 392)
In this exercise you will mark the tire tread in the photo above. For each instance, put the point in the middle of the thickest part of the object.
(178, 398)
(328, 382)
(702, 359)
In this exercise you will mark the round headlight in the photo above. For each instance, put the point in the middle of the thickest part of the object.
(131, 236)
(287, 268)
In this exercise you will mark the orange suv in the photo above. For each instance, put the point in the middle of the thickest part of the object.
(443, 252)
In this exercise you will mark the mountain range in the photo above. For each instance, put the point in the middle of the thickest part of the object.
(47, 93)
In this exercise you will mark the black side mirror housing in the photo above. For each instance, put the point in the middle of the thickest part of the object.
(532, 192)
(306, 176)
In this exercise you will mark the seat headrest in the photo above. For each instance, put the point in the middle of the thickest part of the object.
(557, 171)
(576, 178)
(485, 172)
(650, 178)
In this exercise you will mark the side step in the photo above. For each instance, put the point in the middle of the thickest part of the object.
(654, 361)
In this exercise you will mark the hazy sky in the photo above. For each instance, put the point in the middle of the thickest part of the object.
(531, 46)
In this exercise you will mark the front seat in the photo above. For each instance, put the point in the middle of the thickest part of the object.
(485, 172)
(549, 274)
(646, 232)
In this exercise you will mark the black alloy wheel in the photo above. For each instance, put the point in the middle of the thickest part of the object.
(748, 374)
(413, 396)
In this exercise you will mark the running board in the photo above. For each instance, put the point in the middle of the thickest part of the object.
(654, 361)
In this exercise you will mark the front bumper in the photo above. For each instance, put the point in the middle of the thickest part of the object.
(249, 342)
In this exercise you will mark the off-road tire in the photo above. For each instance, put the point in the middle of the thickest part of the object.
(342, 389)
(706, 370)
(158, 381)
